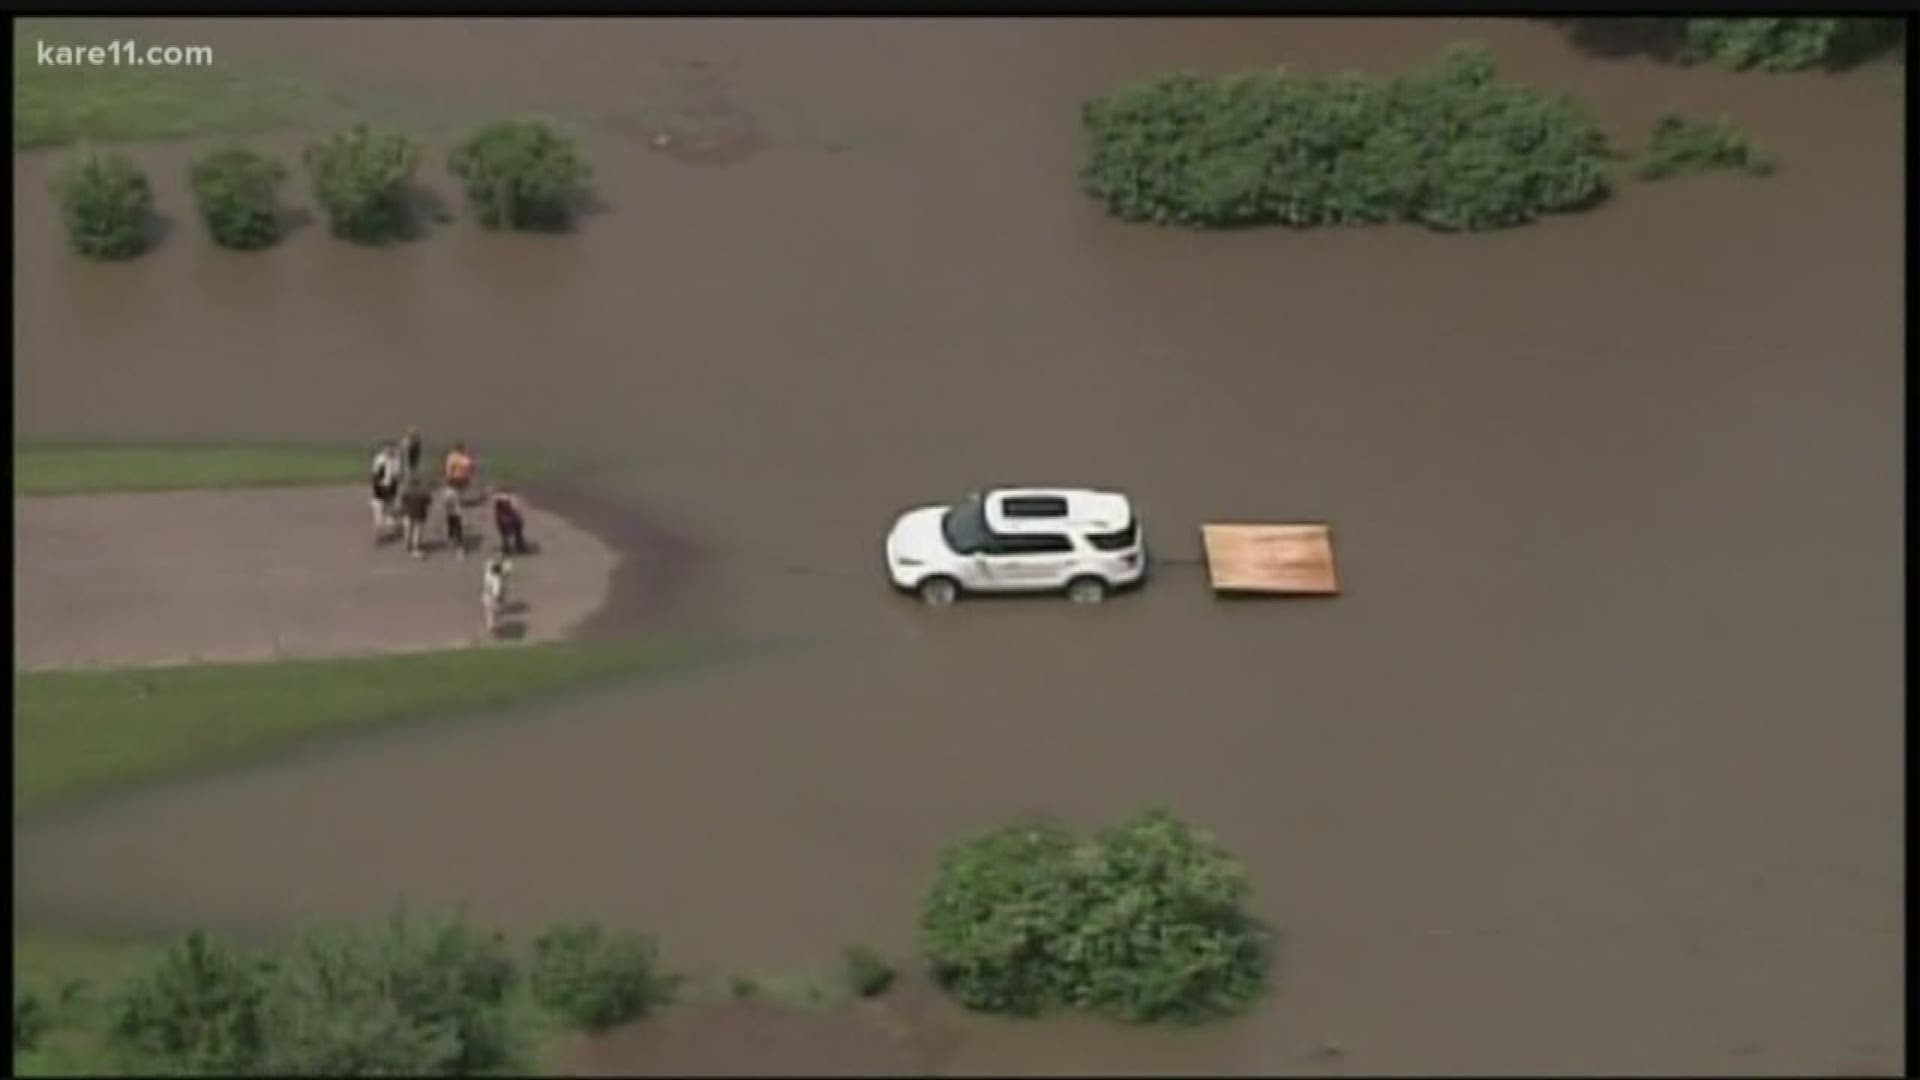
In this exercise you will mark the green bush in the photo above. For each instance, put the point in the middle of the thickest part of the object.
(196, 1010)
(1681, 145)
(1446, 146)
(521, 174)
(1787, 44)
(1145, 922)
(868, 973)
(330, 1013)
(596, 980)
(363, 180)
(107, 204)
(410, 998)
(423, 997)
(237, 190)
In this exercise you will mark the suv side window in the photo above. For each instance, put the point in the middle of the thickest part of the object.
(1033, 506)
(1030, 544)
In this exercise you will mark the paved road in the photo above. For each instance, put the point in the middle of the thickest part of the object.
(183, 576)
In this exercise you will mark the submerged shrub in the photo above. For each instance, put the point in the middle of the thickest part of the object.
(414, 997)
(410, 998)
(868, 973)
(1767, 44)
(106, 202)
(1681, 145)
(1787, 43)
(237, 190)
(520, 174)
(596, 980)
(1446, 146)
(1146, 922)
(363, 180)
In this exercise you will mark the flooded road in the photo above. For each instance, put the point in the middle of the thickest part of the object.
(1596, 767)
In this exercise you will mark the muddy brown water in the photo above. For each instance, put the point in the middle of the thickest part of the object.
(1596, 766)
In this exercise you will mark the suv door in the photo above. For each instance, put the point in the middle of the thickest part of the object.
(1028, 561)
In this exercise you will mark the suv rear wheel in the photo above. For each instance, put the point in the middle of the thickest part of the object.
(1087, 590)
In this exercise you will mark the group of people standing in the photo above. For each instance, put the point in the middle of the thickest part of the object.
(404, 497)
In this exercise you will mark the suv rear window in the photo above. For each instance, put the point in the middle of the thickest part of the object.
(1033, 506)
(1117, 541)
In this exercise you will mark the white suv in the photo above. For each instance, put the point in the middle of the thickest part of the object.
(1019, 540)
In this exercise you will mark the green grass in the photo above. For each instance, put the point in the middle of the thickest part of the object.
(74, 978)
(76, 733)
(57, 105)
(92, 468)
(53, 469)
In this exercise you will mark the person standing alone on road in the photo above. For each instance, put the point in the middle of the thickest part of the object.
(415, 503)
(493, 590)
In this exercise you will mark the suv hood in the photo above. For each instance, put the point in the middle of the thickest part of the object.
(917, 535)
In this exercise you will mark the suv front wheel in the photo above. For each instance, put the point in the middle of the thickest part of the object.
(939, 591)
(1087, 589)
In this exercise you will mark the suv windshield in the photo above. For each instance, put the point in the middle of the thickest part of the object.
(965, 526)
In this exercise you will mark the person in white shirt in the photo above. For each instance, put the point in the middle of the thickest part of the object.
(385, 478)
(493, 590)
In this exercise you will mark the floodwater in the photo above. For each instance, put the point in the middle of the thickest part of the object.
(1595, 767)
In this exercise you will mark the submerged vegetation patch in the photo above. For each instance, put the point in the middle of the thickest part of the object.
(1449, 146)
(1681, 145)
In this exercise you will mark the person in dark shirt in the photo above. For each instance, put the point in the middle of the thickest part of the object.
(410, 449)
(510, 523)
(415, 503)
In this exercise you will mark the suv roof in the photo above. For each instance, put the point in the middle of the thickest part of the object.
(1024, 510)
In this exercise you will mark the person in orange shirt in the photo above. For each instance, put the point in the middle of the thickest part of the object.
(459, 469)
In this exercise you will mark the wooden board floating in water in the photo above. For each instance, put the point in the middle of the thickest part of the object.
(1294, 560)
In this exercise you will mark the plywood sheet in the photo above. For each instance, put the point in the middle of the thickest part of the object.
(1294, 560)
